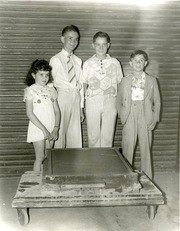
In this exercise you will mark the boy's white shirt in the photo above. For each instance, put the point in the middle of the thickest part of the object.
(59, 72)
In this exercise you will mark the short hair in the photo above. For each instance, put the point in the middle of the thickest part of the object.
(37, 65)
(139, 52)
(102, 35)
(70, 28)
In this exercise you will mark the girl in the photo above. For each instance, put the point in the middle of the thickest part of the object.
(42, 109)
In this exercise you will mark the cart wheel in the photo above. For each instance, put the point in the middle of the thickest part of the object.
(152, 210)
(23, 216)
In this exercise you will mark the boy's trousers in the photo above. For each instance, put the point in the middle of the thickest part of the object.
(70, 126)
(134, 127)
(101, 116)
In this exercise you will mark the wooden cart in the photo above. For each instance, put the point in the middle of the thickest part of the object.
(85, 177)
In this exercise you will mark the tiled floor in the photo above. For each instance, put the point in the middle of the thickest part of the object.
(131, 218)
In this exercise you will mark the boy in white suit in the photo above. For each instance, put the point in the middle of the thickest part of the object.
(138, 104)
(67, 75)
(102, 74)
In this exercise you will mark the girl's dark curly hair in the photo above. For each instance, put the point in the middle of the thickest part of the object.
(38, 65)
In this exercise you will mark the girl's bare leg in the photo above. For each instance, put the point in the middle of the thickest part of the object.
(39, 148)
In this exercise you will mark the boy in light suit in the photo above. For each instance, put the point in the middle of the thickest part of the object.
(102, 74)
(67, 75)
(138, 104)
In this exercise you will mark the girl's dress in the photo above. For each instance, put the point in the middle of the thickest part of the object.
(43, 98)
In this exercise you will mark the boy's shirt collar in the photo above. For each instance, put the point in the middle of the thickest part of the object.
(107, 57)
(66, 53)
(143, 75)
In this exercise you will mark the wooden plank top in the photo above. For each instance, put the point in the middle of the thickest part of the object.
(32, 193)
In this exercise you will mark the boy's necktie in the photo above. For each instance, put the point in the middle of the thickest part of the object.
(71, 71)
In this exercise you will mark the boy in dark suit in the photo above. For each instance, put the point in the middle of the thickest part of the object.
(138, 104)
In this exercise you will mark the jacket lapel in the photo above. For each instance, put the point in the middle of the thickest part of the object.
(128, 86)
(147, 84)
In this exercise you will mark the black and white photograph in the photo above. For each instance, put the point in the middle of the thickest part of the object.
(89, 115)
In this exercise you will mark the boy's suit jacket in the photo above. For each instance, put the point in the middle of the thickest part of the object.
(151, 99)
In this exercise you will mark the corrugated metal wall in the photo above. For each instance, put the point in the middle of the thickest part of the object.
(31, 29)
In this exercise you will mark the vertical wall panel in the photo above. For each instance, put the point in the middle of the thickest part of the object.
(31, 29)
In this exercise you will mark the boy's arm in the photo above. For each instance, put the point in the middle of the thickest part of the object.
(119, 72)
(54, 64)
(156, 106)
(157, 102)
(82, 116)
(57, 71)
(119, 97)
(82, 92)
